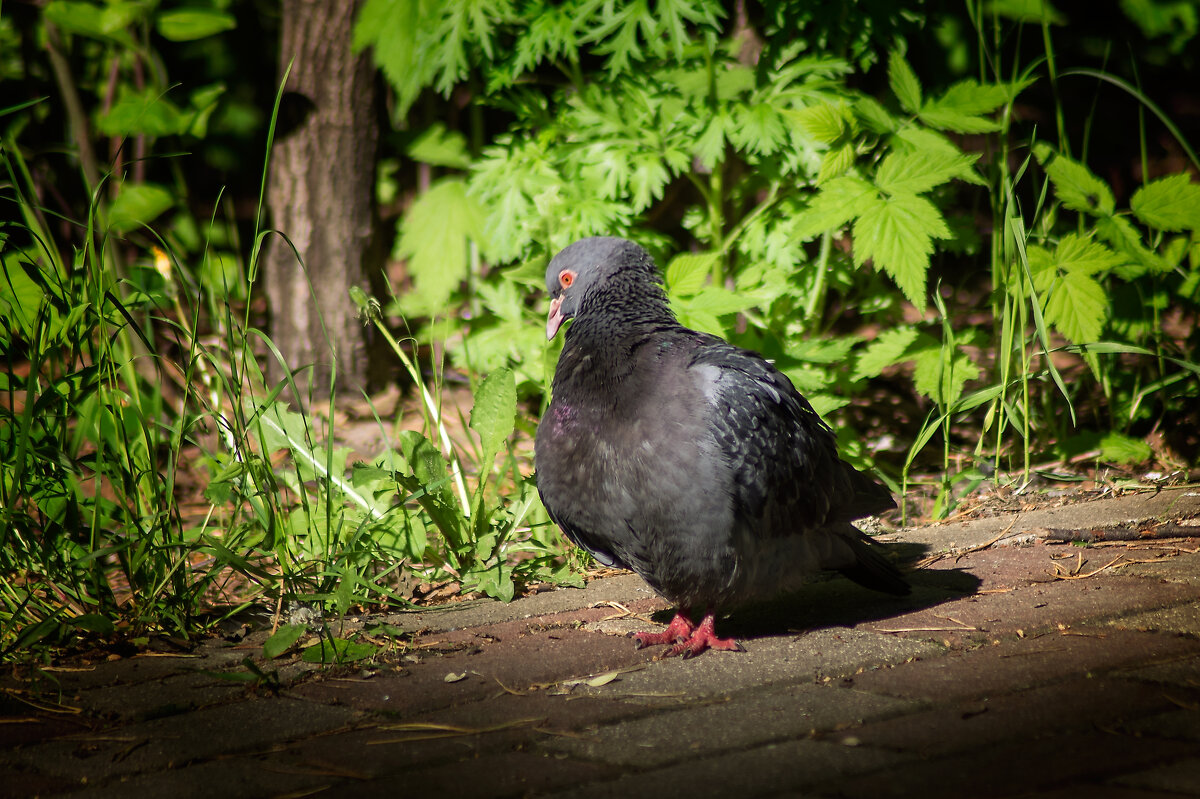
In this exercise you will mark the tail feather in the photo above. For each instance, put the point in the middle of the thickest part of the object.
(872, 570)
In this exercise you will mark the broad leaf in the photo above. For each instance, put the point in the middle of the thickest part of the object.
(1077, 188)
(494, 413)
(188, 24)
(891, 347)
(904, 83)
(688, 272)
(1171, 203)
(434, 238)
(838, 201)
(138, 204)
(897, 235)
(919, 171)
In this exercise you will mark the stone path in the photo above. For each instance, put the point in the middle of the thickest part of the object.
(1017, 667)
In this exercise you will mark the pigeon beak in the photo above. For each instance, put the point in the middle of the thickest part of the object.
(555, 318)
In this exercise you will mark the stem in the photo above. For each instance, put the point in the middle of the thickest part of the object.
(816, 297)
(75, 113)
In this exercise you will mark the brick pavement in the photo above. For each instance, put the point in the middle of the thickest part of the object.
(1037, 670)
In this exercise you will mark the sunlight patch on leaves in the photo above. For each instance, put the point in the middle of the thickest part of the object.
(1074, 184)
(1171, 203)
(889, 348)
(434, 237)
(904, 83)
(919, 171)
(897, 234)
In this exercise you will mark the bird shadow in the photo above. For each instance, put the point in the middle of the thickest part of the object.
(830, 600)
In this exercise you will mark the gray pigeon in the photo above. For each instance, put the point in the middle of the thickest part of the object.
(692, 462)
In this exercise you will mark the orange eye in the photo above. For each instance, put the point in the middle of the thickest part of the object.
(566, 279)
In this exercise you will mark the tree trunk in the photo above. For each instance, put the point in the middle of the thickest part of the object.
(321, 195)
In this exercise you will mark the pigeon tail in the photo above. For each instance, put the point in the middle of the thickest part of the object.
(871, 569)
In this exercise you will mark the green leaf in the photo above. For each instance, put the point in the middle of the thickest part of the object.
(1171, 203)
(146, 112)
(282, 640)
(874, 116)
(919, 171)
(1074, 184)
(1077, 307)
(337, 650)
(1032, 11)
(1080, 254)
(494, 413)
(688, 272)
(434, 238)
(838, 201)
(891, 347)
(897, 234)
(904, 83)
(93, 623)
(188, 24)
(710, 144)
(440, 147)
(1119, 232)
(826, 122)
(1123, 449)
(138, 204)
(836, 162)
(110, 21)
(941, 375)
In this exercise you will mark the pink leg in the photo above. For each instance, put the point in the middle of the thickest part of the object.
(704, 637)
(688, 638)
(679, 629)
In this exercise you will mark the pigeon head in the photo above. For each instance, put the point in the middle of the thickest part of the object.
(620, 270)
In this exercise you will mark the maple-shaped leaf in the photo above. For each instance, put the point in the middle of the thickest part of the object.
(941, 373)
(434, 237)
(897, 234)
(919, 171)
(1171, 203)
(838, 201)
(890, 347)
(1074, 303)
(904, 83)
(1074, 184)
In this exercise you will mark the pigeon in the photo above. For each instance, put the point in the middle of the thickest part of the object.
(692, 462)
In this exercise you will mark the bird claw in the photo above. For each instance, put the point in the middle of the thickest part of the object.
(688, 638)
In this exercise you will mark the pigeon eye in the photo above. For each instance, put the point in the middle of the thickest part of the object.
(566, 279)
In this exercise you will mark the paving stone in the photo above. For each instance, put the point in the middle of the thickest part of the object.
(1171, 503)
(746, 721)
(783, 767)
(624, 588)
(1183, 671)
(506, 723)
(1182, 777)
(228, 778)
(157, 698)
(1179, 619)
(1016, 768)
(1035, 715)
(1182, 723)
(171, 742)
(503, 775)
(800, 658)
(1016, 665)
(1180, 569)
(1033, 606)
(494, 666)
(1094, 791)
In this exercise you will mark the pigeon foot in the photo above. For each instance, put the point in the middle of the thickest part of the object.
(688, 638)
(680, 629)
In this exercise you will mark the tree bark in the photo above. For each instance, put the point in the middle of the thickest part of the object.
(321, 194)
